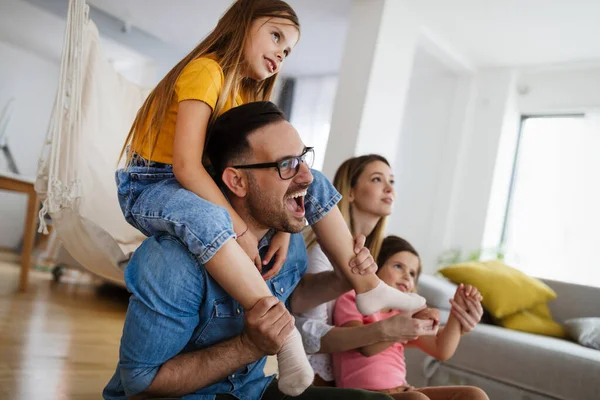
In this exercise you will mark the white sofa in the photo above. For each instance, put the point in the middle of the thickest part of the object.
(509, 364)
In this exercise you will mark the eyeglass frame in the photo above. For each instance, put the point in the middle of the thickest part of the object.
(301, 159)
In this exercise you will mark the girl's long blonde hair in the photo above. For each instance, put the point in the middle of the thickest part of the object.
(226, 42)
(345, 179)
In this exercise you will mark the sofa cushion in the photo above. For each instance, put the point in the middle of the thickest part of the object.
(555, 367)
(505, 290)
(535, 320)
(586, 331)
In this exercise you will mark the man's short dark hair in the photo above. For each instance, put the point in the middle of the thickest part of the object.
(228, 135)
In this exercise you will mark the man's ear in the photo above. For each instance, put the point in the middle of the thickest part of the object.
(236, 181)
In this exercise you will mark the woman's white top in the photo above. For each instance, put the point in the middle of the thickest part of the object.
(316, 323)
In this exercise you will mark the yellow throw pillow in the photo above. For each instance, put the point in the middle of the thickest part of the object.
(535, 320)
(505, 290)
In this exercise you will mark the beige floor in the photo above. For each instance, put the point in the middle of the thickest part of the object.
(59, 341)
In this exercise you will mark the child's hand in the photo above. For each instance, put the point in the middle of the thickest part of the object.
(249, 243)
(432, 314)
(278, 248)
(362, 263)
(466, 307)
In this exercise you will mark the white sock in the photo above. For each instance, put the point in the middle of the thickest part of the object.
(384, 296)
(295, 372)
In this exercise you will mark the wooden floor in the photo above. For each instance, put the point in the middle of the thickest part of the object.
(60, 341)
(57, 341)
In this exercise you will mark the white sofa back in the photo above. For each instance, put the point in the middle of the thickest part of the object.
(573, 301)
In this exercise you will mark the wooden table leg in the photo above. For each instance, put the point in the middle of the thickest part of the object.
(28, 238)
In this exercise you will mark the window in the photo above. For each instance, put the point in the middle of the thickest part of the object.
(552, 223)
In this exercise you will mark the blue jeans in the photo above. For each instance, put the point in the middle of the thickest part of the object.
(154, 202)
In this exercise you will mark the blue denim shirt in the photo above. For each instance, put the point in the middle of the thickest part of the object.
(177, 307)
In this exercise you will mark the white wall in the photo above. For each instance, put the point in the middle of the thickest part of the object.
(458, 144)
(541, 92)
(32, 80)
(425, 156)
(560, 90)
(500, 97)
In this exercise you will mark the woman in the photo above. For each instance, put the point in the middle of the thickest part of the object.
(366, 184)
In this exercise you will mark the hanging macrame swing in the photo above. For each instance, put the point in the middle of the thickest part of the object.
(93, 111)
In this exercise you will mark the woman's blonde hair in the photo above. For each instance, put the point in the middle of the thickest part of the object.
(226, 42)
(345, 179)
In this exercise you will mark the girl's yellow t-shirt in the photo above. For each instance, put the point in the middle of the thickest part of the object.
(202, 79)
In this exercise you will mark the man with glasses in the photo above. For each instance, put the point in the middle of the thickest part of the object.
(184, 336)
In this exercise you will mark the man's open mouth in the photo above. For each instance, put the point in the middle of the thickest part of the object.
(295, 203)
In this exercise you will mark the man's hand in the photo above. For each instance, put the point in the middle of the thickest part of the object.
(266, 326)
(402, 328)
(432, 314)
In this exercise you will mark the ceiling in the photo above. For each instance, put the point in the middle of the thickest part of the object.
(183, 23)
(516, 32)
(483, 32)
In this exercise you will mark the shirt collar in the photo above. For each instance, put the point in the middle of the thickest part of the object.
(267, 238)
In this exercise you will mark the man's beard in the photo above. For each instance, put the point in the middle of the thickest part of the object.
(271, 212)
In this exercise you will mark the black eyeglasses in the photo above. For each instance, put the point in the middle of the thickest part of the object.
(289, 166)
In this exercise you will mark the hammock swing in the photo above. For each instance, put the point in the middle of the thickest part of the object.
(93, 111)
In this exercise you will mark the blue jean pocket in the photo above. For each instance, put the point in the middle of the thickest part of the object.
(283, 284)
(227, 317)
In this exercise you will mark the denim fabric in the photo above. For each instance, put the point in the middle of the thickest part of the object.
(154, 202)
(321, 197)
(176, 307)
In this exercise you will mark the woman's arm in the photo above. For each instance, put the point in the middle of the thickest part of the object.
(398, 328)
(369, 349)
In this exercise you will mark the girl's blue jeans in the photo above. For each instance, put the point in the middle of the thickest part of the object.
(154, 202)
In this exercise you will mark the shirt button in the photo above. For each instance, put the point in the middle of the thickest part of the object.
(281, 290)
(232, 376)
(237, 311)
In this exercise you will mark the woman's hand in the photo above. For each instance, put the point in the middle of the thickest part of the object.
(466, 307)
(278, 248)
(402, 328)
(432, 314)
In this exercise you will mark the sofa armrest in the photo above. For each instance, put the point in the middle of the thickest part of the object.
(573, 301)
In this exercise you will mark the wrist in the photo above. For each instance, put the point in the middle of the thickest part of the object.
(243, 232)
(383, 330)
(248, 347)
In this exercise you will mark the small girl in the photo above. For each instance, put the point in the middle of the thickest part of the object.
(237, 62)
(381, 366)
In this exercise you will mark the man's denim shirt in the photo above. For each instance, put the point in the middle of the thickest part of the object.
(176, 307)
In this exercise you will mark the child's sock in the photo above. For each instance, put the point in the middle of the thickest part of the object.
(295, 372)
(384, 296)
